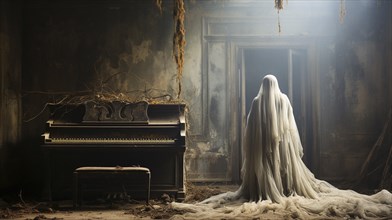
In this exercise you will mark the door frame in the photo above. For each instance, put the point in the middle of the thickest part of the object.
(237, 112)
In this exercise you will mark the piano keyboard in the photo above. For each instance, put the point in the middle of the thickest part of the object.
(110, 141)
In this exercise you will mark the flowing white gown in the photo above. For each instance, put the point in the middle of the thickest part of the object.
(275, 177)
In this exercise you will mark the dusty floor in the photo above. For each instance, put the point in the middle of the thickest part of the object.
(158, 208)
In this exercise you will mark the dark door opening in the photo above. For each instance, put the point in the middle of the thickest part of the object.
(260, 62)
(289, 67)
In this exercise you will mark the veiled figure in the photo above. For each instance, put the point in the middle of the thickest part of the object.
(275, 178)
(272, 151)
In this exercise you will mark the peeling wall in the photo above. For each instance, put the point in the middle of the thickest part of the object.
(10, 78)
(354, 93)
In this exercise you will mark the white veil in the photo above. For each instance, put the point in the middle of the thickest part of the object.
(272, 151)
(274, 176)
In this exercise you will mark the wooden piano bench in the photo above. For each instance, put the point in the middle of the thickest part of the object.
(116, 179)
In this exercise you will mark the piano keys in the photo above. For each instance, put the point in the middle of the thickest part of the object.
(116, 134)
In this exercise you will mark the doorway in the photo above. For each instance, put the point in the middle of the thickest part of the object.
(290, 68)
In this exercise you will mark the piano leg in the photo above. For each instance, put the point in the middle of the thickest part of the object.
(148, 188)
(180, 177)
(76, 193)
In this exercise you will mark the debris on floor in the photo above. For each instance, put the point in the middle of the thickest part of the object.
(158, 208)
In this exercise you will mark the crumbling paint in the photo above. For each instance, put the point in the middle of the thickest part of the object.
(204, 165)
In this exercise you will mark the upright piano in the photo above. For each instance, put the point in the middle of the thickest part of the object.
(116, 134)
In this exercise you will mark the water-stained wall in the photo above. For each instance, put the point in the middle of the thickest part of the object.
(355, 92)
(124, 48)
(10, 80)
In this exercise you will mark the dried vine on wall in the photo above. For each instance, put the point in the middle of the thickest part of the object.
(179, 40)
(279, 6)
(342, 13)
(158, 3)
